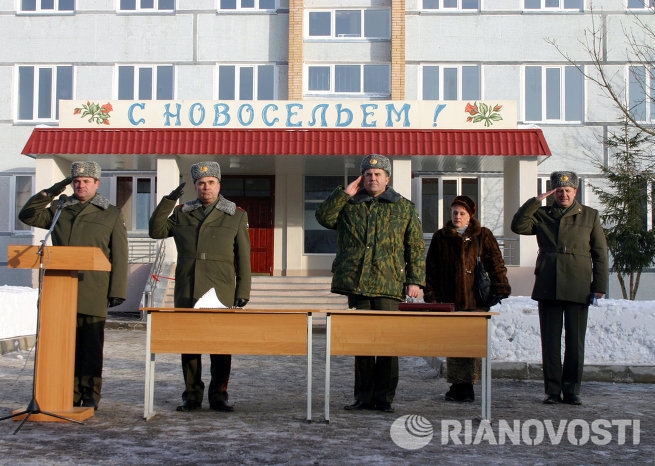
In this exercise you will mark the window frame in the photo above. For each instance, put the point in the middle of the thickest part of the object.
(560, 8)
(40, 11)
(237, 81)
(139, 10)
(135, 88)
(334, 37)
(544, 95)
(442, 9)
(13, 208)
(460, 79)
(648, 86)
(240, 9)
(331, 91)
(646, 5)
(54, 102)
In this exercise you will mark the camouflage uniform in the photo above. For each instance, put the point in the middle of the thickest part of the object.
(380, 246)
(380, 249)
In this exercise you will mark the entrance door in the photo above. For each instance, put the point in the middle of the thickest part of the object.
(436, 195)
(254, 194)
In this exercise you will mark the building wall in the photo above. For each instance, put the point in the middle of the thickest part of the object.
(502, 39)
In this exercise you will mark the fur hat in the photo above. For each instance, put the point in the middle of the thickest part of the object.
(466, 202)
(561, 179)
(376, 161)
(90, 169)
(201, 169)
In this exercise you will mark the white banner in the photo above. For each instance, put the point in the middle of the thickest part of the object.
(379, 114)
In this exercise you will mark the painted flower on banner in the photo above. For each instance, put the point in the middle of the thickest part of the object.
(482, 112)
(97, 113)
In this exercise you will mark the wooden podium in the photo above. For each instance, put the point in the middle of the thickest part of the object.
(55, 357)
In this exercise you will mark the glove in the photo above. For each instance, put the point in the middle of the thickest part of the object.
(57, 188)
(176, 193)
(115, 301)
(240, 302)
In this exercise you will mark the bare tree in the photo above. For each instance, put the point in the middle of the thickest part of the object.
(639, 38)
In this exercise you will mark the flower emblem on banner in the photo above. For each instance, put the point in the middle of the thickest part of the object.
(483, 112)
(98, 114)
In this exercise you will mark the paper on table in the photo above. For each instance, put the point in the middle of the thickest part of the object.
(209, 301)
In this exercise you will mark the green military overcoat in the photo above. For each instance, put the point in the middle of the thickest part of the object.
(99, 224)
(380, 246)
(572, 261)
(212, 251)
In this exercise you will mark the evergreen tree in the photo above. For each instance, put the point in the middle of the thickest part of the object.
(623, 197)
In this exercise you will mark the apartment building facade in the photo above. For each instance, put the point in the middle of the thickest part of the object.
(463, 51)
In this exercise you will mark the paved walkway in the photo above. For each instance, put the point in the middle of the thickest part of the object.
(268, 424)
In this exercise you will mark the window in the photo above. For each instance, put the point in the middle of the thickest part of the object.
(247, 5)
(39, 90)
(641, 85)
(447, 82)
(350, 79)
(146, 6)
(146, 82)
(640, 4)
(349, 24)
(553, 93)
(22, 192)
(253, 82)
(575, 5)
(449, 5)
(436, 196)
(47, 6)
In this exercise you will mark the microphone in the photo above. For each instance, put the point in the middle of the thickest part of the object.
(60, 206)
(62, 199)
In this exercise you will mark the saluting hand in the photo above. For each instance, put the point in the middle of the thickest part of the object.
(353, 187)
(177, 192)
(57, 188)
(543, 196)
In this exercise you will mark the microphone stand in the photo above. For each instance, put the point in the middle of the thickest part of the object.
(33, 405)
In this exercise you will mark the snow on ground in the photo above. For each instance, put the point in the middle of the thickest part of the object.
(17, 311)
(618, 331)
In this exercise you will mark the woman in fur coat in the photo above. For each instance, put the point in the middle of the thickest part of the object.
(450, 278)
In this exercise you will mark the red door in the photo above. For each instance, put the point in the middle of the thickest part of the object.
(254, 194)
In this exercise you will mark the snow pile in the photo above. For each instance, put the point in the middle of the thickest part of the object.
(618, 332)
(17, 311)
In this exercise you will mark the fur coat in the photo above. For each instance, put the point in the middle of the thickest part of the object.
(450, 265)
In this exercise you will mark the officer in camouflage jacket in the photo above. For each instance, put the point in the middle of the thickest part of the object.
(380, 251)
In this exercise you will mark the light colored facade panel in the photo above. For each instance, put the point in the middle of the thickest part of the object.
(12, 141)
(243, 38)
(458, 38)
(340, 52)
(6, 79)
(99, 38)
(616, 36)
(572, 148)
(502, 82)
(600, 107)
(196, 82)
(412, 88)
(94, 82)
